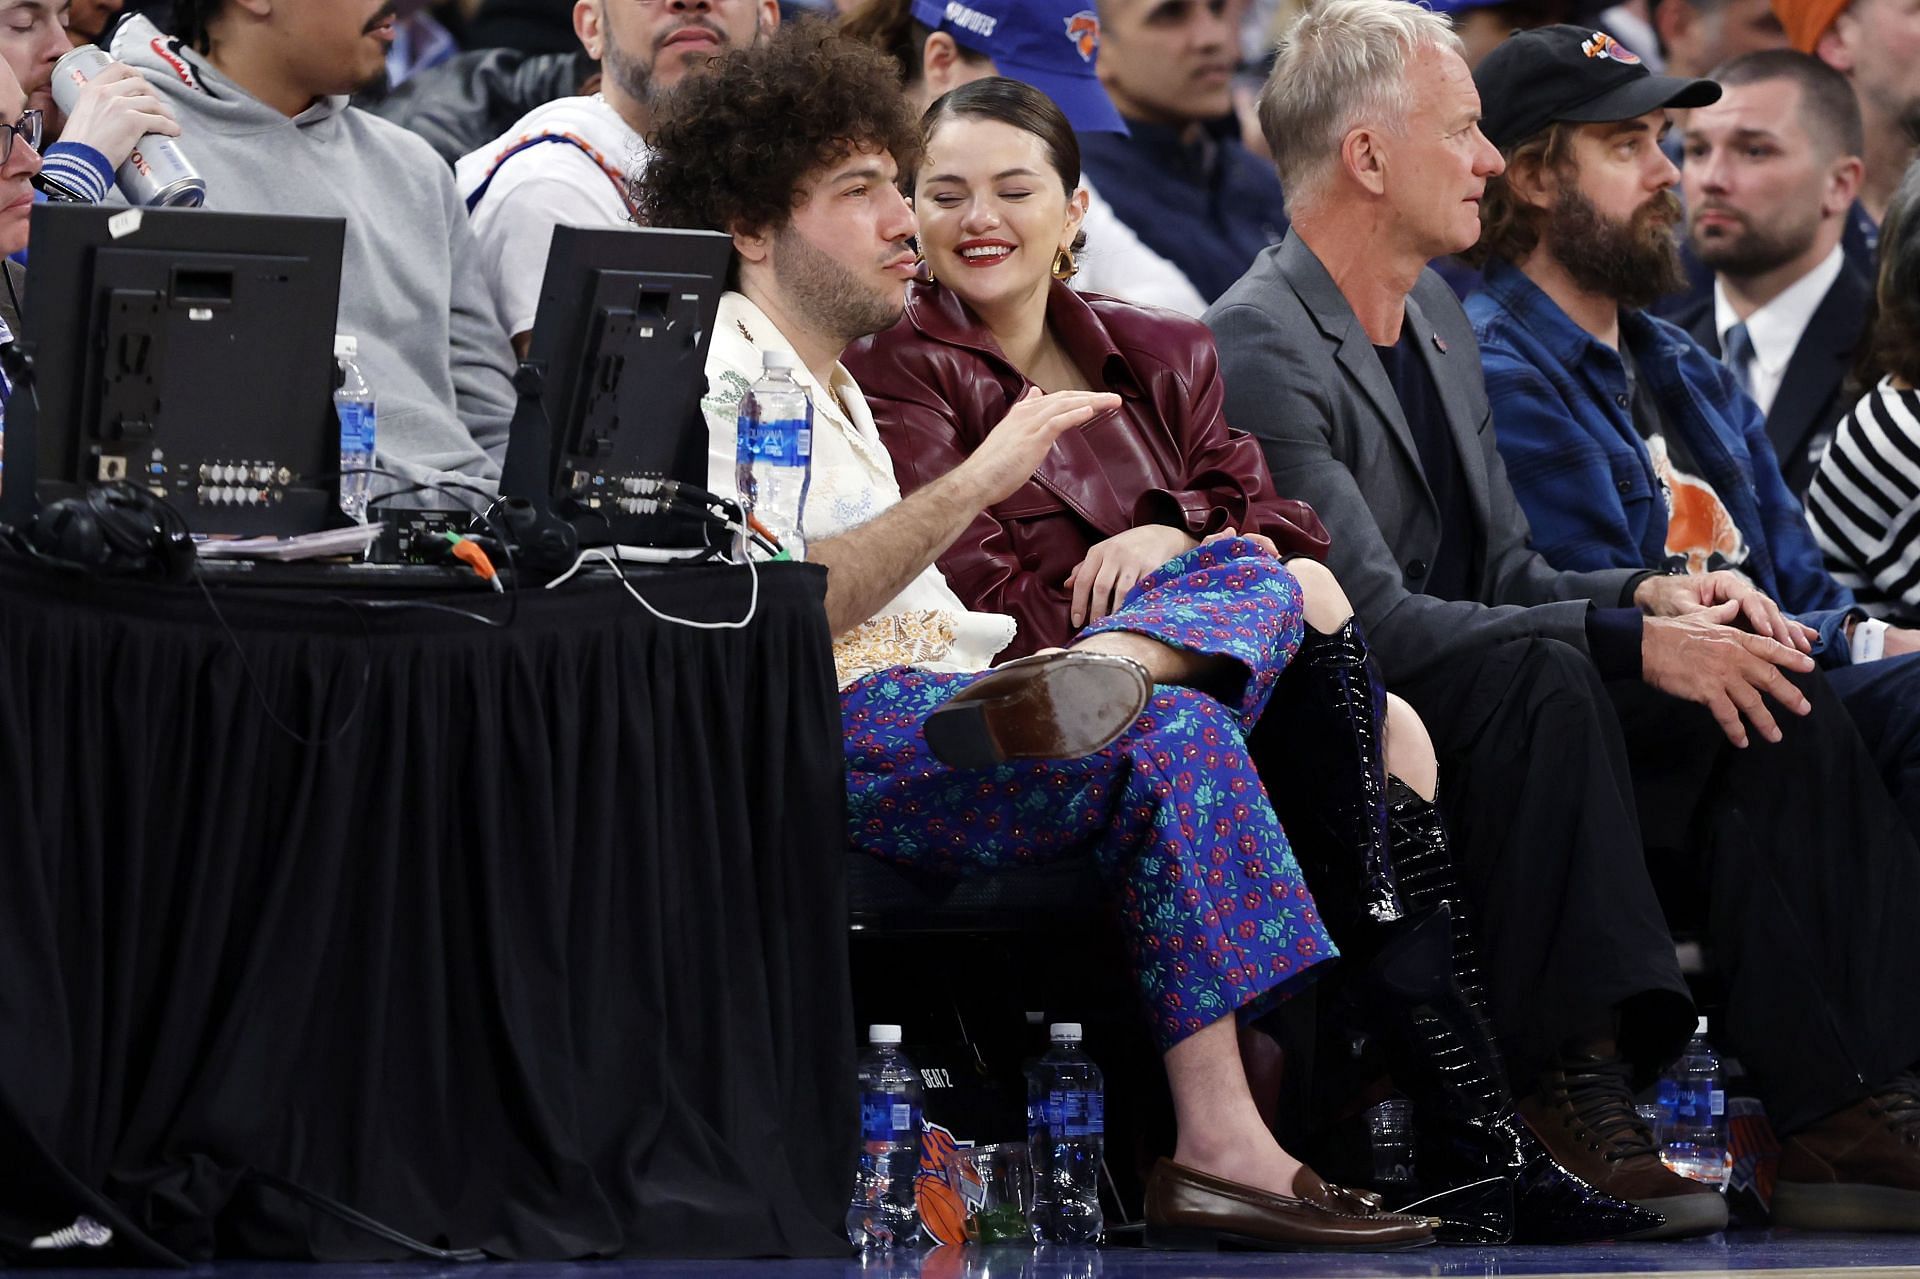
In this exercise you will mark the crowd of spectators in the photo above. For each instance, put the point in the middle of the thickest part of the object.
(1179, 514)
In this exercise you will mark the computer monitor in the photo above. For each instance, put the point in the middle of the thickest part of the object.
(187, 352)
(610, 390)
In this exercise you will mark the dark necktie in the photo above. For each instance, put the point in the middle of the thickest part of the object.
(1739, 356)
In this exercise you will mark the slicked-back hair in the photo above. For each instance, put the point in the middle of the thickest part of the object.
(1342, 63)
(732, 148)
(1015, 103)
(1828, 107)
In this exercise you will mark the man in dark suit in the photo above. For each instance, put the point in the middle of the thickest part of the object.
(1560, 701)
(1771, 170)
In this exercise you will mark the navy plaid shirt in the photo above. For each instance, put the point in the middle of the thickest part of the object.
(1564, 421)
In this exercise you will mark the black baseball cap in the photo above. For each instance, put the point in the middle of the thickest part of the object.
(1578, 74)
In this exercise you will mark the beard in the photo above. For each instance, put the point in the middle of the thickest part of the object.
(1634, 261)
(634, 74)
(831, 297)
(1752, 249)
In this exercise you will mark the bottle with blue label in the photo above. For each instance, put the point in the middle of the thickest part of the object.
(883, 1213)
(1693, 1112)
(359, 418)
(775, 451)
(1066, 1134)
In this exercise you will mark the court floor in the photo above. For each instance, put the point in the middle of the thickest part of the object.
(1742, 1253)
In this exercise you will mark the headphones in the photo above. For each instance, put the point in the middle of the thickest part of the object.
(116, 530)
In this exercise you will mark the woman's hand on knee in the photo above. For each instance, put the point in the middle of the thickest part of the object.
(1101, 581)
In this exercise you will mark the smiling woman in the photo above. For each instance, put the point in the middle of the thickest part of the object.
(1000, 210)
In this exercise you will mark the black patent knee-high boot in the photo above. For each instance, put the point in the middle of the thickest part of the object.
(1332, 709)
(1431, 974)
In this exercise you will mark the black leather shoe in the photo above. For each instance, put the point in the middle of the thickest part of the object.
(1189, 1210)
(1049, 706)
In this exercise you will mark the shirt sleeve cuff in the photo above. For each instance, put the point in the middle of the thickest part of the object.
(1613, 637)
(77, 171)
(1633, 584)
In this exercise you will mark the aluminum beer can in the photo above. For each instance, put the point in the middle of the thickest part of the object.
(157, 174)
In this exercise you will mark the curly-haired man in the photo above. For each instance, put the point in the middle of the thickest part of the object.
(794, 148)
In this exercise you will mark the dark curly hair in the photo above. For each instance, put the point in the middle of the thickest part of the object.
(731, 148)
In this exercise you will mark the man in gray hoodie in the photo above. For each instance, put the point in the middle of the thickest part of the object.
(260, 89)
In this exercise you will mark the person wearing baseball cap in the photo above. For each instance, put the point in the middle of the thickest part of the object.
(1054, 46)
(1875, 44)
(1575, 75)
(1629, 447)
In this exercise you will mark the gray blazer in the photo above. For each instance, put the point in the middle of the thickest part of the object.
(1302, 377)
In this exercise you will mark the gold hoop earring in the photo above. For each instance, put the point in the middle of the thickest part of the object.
(926, 267)
(1064, 267)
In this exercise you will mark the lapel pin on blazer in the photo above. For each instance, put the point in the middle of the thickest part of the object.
(1440, 344)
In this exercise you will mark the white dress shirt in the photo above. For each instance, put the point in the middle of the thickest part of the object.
(1776, 327)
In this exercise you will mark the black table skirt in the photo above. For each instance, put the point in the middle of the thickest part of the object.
(545, 955)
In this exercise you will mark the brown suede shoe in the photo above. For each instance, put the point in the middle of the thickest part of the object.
(1048, 706)
(1583, 1114)
(1189, 1210)
(1857, 1169)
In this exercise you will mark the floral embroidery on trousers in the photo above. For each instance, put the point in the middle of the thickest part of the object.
(1216, 912)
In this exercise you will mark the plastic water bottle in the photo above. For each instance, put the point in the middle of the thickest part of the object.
(1693, 1102)
(1390, 1133)
(776, 451)
(1066, 1126)
(359, 420)
(882, 1213)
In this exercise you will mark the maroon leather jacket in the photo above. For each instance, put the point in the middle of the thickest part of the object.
(938, 383)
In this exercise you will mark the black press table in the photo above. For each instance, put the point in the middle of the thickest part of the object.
(535, 945)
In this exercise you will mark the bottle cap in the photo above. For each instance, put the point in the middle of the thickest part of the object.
(884, 1036)
(345, 347)
(777, 360)
(1700, 1027)
(1064, 1032)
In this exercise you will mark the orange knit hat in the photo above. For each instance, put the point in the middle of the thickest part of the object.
(1807, 20)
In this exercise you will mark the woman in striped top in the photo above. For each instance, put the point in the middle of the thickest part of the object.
(1865, 501)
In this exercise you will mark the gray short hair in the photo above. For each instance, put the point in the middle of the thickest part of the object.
(1342, 63)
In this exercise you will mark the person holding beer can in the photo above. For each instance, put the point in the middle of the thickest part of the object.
(107, 118)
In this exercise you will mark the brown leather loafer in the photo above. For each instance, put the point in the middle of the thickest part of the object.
(1583, 1114)
(1189, 1210)
(1857, 1169)
(1049, 706)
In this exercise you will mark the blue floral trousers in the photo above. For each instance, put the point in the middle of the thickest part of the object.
(1216, 912)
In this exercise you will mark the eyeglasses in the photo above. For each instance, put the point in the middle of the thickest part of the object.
(27, 128)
